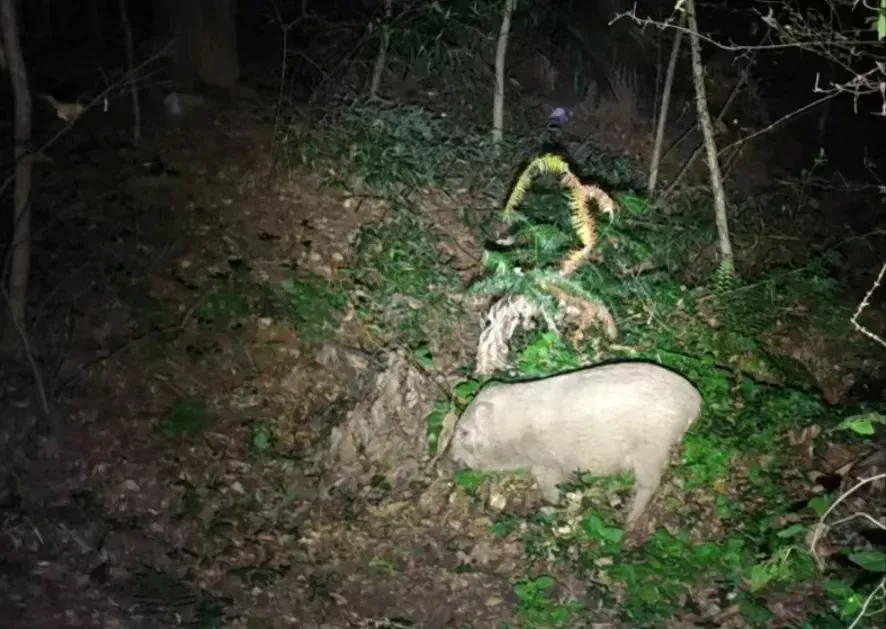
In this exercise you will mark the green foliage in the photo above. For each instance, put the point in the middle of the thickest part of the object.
(440, 43)
(752, 307)
(725, 278)
(511, 280)
(462, 394)
(164, 595)
(469, 480)
(665, 321)
(759, 558)
(655, 581)
(612, 172)
(312, 306)
(545, 354)
(395, 149)
(229, 303)
(538, 608)
(188, 418)
(262, 436)
(863, 424)
(400, 283)
(675, 304)
(226, 308)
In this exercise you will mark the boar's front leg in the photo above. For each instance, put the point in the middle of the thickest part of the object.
(648, 469)
(548, 479)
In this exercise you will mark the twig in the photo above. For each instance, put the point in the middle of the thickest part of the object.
(821, 528)
(778, 122)
(284, 28)
(26, 348)
(698, 149)
(864, 304)
(881, 588)
(177, 326)
(668, 24)
(95, 101)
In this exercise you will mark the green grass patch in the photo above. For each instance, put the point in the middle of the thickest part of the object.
(401, 284)
(734, 456)
(312, 306)
(188, 418)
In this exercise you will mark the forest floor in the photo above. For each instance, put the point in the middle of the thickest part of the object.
(153, 500)
(194, 469)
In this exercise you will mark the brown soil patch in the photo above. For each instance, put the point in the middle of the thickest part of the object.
(113, 523)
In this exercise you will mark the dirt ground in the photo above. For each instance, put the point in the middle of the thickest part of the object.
(107, 522)
(300, 496)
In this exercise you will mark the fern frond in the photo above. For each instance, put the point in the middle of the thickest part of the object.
(573, 260)
(725, 277)
(582, 223)
(566, 285)
(497, 262)
(548, 163)
(551, 164)
(517, 194)
(580, 196)
(544, 239)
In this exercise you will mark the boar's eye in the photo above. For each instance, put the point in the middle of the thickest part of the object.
(463, 434)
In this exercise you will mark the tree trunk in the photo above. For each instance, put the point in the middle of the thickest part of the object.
(19, 260)
(205, 39)
(379, 68)
(498, 101)
(707, 130)
(665, 103)
(133, 78)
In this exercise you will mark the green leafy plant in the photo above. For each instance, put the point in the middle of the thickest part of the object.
(462, 394)
(262, 436)
(188, 418)
(401, 285)
(406, 148)
(311, 305)
(162, 594)
(537, 608)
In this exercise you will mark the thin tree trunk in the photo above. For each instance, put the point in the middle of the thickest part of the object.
(665, 103)
(498, 101)
(707, 129)
(133, 78)
(205, 36)
(19, 260)
(379, 68)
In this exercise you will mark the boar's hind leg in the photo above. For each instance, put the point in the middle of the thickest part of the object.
(648, 469)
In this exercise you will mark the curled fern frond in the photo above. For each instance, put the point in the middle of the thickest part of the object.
(580, 197)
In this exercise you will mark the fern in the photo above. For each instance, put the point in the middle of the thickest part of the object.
(510, 280)
(744, 309)
(725, 277)
(580, 197)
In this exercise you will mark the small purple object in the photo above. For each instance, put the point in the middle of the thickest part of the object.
(560, 115)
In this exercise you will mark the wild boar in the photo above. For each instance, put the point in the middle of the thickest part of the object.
(605, 419)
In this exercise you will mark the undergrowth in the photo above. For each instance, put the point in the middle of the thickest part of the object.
(740, 542)
(401, 290)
